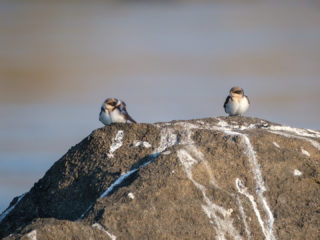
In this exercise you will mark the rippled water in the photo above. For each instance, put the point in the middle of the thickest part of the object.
(59, 61)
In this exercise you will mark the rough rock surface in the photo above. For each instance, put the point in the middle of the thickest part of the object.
(216, 178)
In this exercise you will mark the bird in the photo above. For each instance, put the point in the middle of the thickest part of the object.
(114, 110)
(236, 103)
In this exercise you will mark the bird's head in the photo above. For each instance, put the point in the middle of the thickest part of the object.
(110, 104)
(236, 91)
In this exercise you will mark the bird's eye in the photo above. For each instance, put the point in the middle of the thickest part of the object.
(238, 92)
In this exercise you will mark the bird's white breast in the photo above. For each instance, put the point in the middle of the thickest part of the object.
(231, 107)
(238, 106)
(243, 105)
(117, 116)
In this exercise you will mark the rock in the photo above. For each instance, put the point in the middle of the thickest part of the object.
(53, 229)
(216, 178)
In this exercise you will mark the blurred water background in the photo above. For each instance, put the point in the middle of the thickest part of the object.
(166, 59)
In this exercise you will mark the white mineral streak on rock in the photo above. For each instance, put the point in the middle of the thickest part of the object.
(305, 152)
(244, 218)
(118, 182)
(296, 172)
(303, 134)
(147, 145)
(286, 131)
(5, 213)
(116, 143)
(296, 131)
(166, 153)
(223, 224)
(168, 139)
(260, 187)
(32, 235)
(137, 143)
(190, 156)
(229, 212)
(276, 144)
(288, 135)
(254, 164)
(244, 191)
(100, 227)
(131, 195)
(85, 212)
(267, 227)
(226, 127)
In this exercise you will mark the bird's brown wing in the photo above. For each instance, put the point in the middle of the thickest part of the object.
(128, 117)
(226, 102)
(123, 110)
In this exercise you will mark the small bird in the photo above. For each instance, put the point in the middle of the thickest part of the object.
(114, 111)
(236, 103)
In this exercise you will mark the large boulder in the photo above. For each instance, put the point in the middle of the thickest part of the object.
(215, 178)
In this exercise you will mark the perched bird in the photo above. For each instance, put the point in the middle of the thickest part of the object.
(114, 111)
(236, 103)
